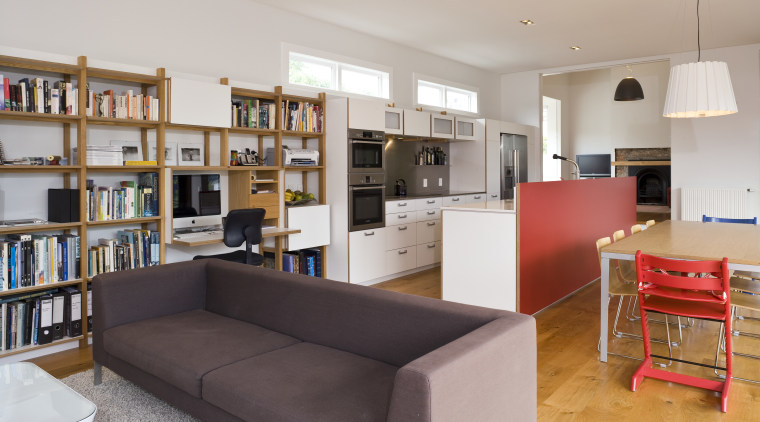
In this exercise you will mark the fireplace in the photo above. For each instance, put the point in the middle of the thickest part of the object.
(652, 184)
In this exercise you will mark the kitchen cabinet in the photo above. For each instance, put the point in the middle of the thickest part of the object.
(400, 236)
(429, 214)
(314, 223)
(465, 129)
(394, 121)
(442, 126)
(402, 259)
(454, 200)
(429, 203)
(403, 205)
(428, 231)
(400, 218)
(428, 254)
(366, 114)
(366, 251)
(416, 123)
(475, 198)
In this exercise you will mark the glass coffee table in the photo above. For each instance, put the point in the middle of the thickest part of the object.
(27, 393)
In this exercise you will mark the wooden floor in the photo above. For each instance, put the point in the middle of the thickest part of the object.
(573, 385)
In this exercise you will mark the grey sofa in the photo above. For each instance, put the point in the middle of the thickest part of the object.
(230, 342)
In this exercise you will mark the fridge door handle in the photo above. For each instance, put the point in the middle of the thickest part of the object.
(516, 172)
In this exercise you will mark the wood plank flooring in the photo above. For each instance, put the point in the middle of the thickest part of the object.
(573, 385)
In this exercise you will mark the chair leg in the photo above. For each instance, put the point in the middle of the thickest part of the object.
(638, 375)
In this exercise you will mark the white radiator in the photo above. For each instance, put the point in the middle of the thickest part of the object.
(713, 202)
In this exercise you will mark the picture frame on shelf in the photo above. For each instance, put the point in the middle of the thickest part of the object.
(170, 152)
(131, 150)
(191, 155)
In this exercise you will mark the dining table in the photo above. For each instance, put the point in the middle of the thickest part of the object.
(689, 240)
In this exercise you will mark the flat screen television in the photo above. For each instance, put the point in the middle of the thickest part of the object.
(197, 200)
(594, 165)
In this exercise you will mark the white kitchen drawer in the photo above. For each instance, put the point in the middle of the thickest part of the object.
(401, 259)
(429, 253)
(477, 197)
(425, 215)
(428, 231)
(400, 218)
(403, 205)
(401, 236)
(493, 196)
(429, 203)
(454, 200)
(364, 249)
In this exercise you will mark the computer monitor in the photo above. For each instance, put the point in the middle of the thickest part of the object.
(594, 165)
(198, 199)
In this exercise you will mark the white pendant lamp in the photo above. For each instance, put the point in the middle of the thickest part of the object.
(701, 89)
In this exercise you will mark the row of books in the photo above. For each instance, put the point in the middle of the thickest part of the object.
(38, 96)
(302, 116)
(305, 261)
(42, 317)
(37, 259)
(130, 249)
(129, 200)
(253, 114)
(125, 106)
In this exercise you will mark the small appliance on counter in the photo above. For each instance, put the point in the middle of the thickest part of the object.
(400, 187)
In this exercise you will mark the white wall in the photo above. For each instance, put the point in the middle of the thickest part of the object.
(711, 152)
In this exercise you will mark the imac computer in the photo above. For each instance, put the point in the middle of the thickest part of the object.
(199, 200)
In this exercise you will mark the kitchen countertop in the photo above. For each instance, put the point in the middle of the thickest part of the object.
(504, 205)
(439, 195)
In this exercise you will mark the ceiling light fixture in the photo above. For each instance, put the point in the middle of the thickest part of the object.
(575, 48)
(701, 89)
(629, 89)
(527, 22)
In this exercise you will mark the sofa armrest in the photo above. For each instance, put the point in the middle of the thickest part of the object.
(134, 295)
(487, 375)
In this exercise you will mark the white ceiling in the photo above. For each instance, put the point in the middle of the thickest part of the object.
(487, 33)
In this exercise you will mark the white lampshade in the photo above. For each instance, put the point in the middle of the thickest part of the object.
(701, 89)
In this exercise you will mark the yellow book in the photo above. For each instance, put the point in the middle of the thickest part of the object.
(141, 163)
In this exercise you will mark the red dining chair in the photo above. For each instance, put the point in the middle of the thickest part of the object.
(704, 295)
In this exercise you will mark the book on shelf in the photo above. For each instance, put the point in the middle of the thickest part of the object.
(128, 200)
(305, 261)
(102, 155)
(29, 319)
(126, 105)
(253, 113)
(302, 116)
(141, 163)
(135, 248)
(38, 259)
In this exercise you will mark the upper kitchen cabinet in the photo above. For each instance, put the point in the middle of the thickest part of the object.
(416, 123)
(394, 121)
(465, 129)
(366, 114)
(442, 126)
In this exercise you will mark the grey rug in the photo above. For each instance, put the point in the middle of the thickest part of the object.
(119, 400)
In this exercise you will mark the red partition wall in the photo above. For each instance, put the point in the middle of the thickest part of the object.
(559, 223)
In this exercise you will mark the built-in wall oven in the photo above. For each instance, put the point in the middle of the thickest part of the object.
(366, 201)
(366, 151)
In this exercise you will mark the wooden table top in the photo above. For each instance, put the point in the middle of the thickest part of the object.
(265, 233)
(695, 240)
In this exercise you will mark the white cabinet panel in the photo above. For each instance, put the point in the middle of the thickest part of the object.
(454, 200)
(314, 222)
(429, 203)
(403, 205)
(475, 198)
(429, 253)
(416, 123)
(401, 236)
(402, 259)
(394, 121)
(366, 251)
(425, 215)
(186, 94)
(400, 218)
(493, 196)
(442, 126)
(366, 114)
(428, 231)
(465, 129)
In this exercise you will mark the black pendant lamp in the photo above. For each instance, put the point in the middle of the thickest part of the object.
(629, 89)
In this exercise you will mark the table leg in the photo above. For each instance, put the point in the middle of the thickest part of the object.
(604, 302)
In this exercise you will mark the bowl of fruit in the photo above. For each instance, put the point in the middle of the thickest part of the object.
(297, 197)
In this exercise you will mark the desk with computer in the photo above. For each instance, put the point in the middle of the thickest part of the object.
(201, 216)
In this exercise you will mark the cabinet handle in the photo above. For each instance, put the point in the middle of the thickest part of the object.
(432, 223)
(402, 228)
(476, 196)
(430, 212)
(455, 199)
(401, 216)
(431, 246)
(402, 252)
(431, 202)
(369, 234)
(402, 204)
(494, 195)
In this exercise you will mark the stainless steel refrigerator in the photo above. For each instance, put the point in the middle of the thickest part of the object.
(514, 163)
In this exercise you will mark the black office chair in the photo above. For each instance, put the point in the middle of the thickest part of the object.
(241, 226)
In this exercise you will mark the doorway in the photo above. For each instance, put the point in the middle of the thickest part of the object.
(552, 138)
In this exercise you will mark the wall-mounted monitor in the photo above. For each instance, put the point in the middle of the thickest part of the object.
(198, 200)
(594, 165)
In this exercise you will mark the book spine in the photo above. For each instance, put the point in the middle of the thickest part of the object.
(3, 92)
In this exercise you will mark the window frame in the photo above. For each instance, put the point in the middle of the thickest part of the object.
(338, 64)
(446, 85)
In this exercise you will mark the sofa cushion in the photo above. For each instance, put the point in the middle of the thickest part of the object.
(181, 348)
(303, 382)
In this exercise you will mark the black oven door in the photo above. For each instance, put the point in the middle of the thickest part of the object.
(366, 207)
(366, 156)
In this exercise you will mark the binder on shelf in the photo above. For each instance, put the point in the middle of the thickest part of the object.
(59, 310)
(73, 315)
(45, 332)
(89, 308)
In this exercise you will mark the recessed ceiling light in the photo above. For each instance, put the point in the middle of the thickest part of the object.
(527, 22)
(575, 48)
